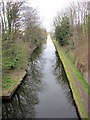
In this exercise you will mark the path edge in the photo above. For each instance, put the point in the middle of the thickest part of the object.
(70, 86)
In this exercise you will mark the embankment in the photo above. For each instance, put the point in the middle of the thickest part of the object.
(13, 81)
(79, 87)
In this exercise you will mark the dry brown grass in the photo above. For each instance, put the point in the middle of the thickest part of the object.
(81, 53)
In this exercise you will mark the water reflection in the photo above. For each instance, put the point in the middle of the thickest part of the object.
(44, 92)
(26, 97)
(62, 78)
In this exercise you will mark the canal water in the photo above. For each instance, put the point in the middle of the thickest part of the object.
(44, 92)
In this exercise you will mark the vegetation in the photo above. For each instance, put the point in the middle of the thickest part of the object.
(71, 34)
(21, 33)
(62, 30)
(72, 84)
(71, 31)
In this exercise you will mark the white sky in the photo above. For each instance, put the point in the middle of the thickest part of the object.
(48, 10)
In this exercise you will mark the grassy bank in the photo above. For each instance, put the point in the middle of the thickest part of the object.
(20, 36)
(76, 95)
(13, 77)
(11, 82)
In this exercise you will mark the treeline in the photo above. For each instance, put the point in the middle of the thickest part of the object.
(21, 32)
(71, 31)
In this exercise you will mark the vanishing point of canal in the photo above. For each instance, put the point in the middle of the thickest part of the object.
(44, 92)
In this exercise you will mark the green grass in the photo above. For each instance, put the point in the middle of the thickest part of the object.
(74, 89)
(8, 84)
(11, 80)
(12, 77)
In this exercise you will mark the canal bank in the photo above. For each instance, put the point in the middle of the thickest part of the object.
(79, 91)
(44, 92)
(15, 78)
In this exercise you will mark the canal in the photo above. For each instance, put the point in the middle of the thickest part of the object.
(44, 92)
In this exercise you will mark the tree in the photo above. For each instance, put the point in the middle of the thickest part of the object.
(62, 30)
(33, 29)
(65, 29)
(12, 20)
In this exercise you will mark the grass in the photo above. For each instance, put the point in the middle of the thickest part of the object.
(23, 53)
(77, 73)
(70, 78)
(11, 80)
(9, 83)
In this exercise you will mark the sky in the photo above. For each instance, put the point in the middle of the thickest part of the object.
(48, 9)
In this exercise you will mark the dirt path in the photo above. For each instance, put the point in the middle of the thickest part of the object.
(79, 87)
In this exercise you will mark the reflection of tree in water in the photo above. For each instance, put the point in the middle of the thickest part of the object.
(62, 78)
(23, 103)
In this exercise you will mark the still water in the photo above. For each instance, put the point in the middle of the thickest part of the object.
(44, 93)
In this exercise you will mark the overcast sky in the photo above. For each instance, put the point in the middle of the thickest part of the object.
(49, 8)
